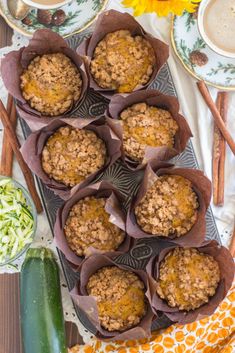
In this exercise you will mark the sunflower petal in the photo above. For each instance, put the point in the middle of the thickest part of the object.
(161, 8)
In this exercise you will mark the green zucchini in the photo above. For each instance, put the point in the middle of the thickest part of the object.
(42, 321)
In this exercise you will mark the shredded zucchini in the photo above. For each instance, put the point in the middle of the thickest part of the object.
(16, 220)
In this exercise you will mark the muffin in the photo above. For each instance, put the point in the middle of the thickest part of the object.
(88, 225)
(120, 297)
(169, 207)
(146, 126)
(91, 221)
(187, 278)
(70, 155)
(189, 283)
(149, 125)
(51, 84)
(122, 61)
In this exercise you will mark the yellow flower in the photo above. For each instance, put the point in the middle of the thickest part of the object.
(161, 7)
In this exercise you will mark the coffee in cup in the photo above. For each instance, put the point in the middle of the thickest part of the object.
(46, 4)
(216, 20)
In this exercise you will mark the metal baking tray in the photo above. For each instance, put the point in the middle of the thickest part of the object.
(127, 182)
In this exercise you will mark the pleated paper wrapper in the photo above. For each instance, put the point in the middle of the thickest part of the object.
(226, 266)
(33, 146)
(200, 184)
(88, 303)
(113, 206)
(44, 41)
(111, 21)
(157, 99)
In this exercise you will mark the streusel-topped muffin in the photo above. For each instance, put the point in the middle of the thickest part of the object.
(122, 61)
(187, 278)
(70, 155)
(51, 84)
(88, 225)
(169, 208)
(120, 297)
(146, 126)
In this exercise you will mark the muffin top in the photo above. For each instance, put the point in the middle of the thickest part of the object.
(144, 126)
(51, 84)
(70, 155)
(121, 61)
(88, 225)
(187, 278)
(169, 207)
(120, 297)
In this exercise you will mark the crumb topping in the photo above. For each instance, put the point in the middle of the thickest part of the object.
(70, 155)
(169, 207)
(145, 126)
(88, 225)
(187, 278)
(122, 62)
(51, 84)
(120, 297)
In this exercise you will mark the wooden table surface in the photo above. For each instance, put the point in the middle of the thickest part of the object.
(5, 33)
(10, 340)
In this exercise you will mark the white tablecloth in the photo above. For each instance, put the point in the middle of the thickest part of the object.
(197, 115)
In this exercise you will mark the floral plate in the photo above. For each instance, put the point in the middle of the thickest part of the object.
(197, 58)
(79, 14)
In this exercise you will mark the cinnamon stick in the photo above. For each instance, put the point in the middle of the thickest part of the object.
(219, 152)
(7, 152)
(224, 112)
(216, 114)
(232, 244)
(16, 148)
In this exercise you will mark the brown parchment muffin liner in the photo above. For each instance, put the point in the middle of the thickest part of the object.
(33, 146)
(111, 21)
(226, 266)
(88, 303)
(112, 206)
(44, 41)
(202, 187)
(157, 99)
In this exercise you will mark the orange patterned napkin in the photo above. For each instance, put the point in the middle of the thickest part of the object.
(214, 334)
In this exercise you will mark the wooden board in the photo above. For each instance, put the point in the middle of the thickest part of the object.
(5, 33)
(10, 337)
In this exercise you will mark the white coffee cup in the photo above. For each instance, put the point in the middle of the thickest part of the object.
(39, 5)
(201, 12)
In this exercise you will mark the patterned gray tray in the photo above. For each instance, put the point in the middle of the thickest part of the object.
(127, 182)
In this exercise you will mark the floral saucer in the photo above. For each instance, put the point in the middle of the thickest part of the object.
(197, 58)
(75, 17)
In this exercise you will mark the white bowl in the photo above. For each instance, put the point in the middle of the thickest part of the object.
(33, 211)
(212, 45)
(45, 7)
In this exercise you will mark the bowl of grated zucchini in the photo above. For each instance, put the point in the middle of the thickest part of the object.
(18, 220)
